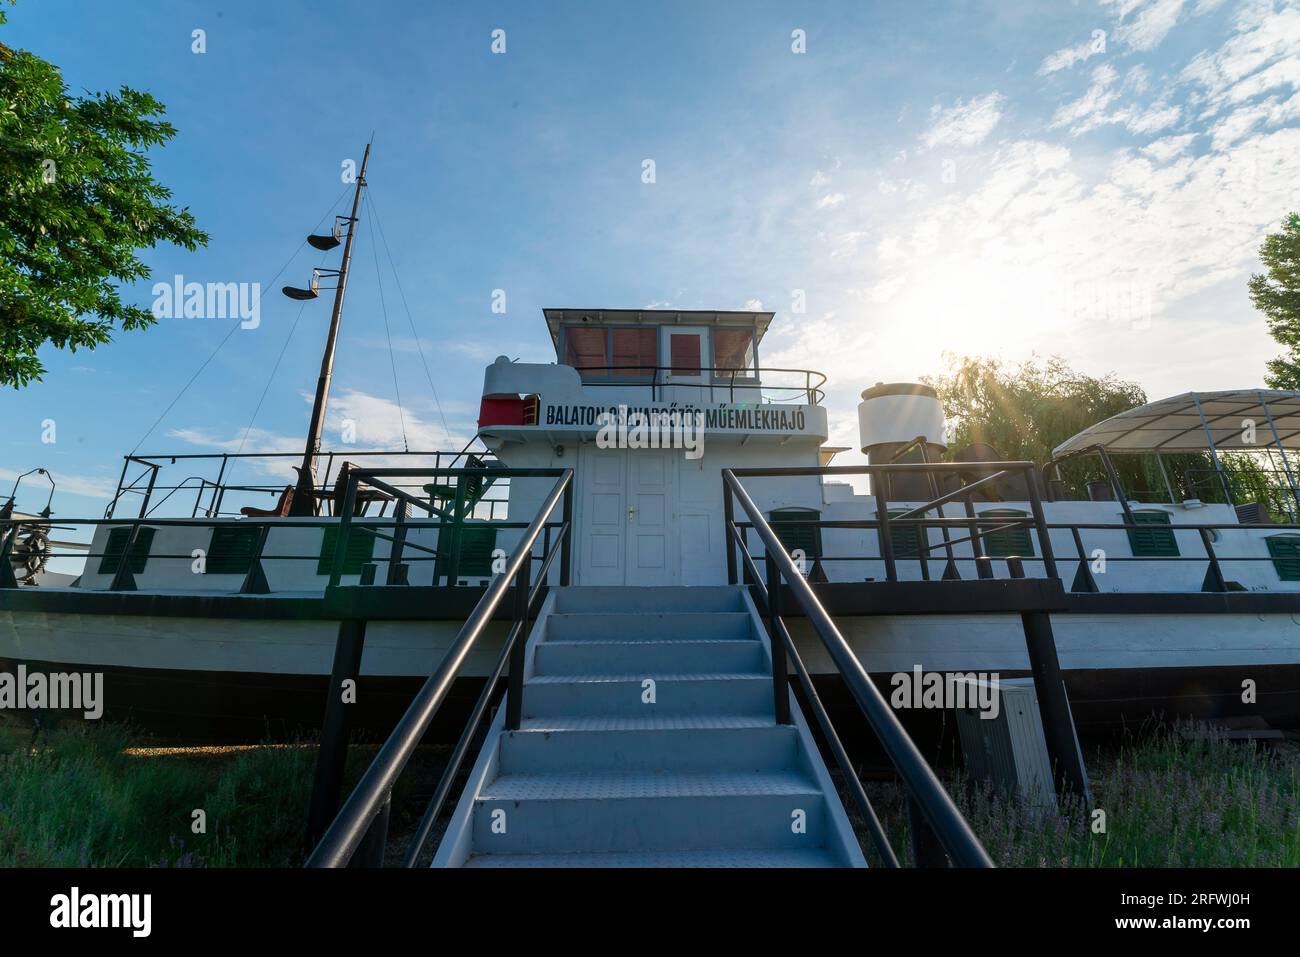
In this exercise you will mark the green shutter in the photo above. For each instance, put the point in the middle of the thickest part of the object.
(905, 538)
(360, 550)
(808, 538)
(231, 550)
(1010, 541)
(477, 542)
(117, 539)
(1152, 542)
(1285, 550)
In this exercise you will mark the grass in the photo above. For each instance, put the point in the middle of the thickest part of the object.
(83, 796)
(98, 795)
(1170, 800)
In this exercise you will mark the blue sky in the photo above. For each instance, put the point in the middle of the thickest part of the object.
(1088, 179)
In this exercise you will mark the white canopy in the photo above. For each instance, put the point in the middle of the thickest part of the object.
(1197, 422)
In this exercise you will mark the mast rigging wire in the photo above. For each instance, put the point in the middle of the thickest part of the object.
(392, 358)
(234, 327)
(370, 196)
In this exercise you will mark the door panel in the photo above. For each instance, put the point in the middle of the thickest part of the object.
(602, 524)
(650, 526)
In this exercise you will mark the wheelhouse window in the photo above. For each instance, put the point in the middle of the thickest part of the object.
(586, 348)
(733, 350)
(684, 348)
(634, 352)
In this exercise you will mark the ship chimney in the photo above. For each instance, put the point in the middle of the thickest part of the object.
(891, 416)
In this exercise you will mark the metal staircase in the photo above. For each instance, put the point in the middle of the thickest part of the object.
(648, 737)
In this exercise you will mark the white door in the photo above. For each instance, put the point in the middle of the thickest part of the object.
(626, 527)
(601, 526)
(651, 552)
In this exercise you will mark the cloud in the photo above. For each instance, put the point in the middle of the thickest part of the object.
(831, 200)
(1089, 111)
(819, 180)
(1066, 57)
(1151, 24)
(1165, 149)
(965, 123)
(376, 424)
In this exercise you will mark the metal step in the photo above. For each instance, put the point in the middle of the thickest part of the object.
(641, 811)
(588, 657)
(629, 598)
(675, 694)
(539, 747)
(647, 626)
(713, 857)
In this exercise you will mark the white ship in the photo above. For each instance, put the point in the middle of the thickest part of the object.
(649, 471)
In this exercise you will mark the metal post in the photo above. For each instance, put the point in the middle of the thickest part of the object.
(780, 670)
(1164, 474)
(1083, 580)
(302, 498)
(457, 520)
(1286, 463)
(1040, 521)
(344, 530)
(1054, 704)
(124, 578)
(728, 523)
(982, 568)
(882, 516)
(566, 544)
(1214, 453)
(397, 572)
(1120, 494)
(333, 754)
(148, 492)
(1214, 573)
(515, 687)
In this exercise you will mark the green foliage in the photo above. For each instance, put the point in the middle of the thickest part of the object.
(77, 201)
(1026, 411)
(1277, 295)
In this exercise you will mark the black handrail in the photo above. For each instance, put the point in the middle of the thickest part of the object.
(373, 791)
(481, 706)
(936, 807)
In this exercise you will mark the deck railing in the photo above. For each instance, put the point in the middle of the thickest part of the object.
(210, 490)
(722, 384)
(452, 512)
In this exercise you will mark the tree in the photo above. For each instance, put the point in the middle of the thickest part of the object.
(1277, 296)
(1027, 411)
(77, 201)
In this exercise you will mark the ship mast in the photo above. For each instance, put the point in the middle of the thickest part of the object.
(303, 503)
